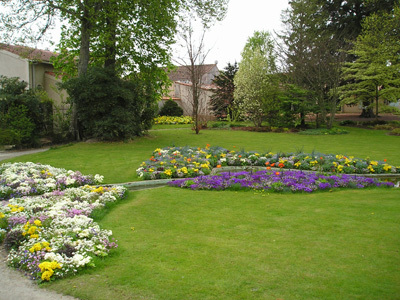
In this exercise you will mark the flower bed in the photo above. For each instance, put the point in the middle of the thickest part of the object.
(52, 235)
(166, 120)
(282, 181)
(186, 162)
(24, 179)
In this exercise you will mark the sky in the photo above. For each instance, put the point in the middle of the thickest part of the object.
(227, 39)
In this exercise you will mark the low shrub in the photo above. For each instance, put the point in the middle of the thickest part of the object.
(167, 120)
(395, 131)
(171, 109)
(322, 131)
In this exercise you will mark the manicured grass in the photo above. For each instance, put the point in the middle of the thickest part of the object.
(243, 245)
(118, 161)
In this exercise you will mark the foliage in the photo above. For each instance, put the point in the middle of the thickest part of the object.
(313, 57)
(374, 73)
(181, 162)
(319, 131)
(173, 120)
(256, 84)
(51, 235)
(285, 181)
(222, 100)
(24, 113)
(110, 108)
(171, 108)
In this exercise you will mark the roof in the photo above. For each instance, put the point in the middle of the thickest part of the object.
(29, 53)
(182, 74)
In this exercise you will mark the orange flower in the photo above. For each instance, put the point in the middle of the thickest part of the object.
(273, 165)
(277, 173)
(281, 165)
(385, 160)
(218, 166)
(321, 157)
(189, 159)
(240, 156)
(208, 146)
(268, 168)
(267, 163)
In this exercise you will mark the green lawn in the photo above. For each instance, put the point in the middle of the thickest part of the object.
(241, 245)
(118, 161)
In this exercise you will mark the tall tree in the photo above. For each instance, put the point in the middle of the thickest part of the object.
(375, 73)
(193, 63)
(313, 59)
(222, 101)
(256, 85)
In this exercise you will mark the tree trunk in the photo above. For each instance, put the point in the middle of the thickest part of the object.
(367, 112)
(84, 56)
(110, 48)
(377, 102)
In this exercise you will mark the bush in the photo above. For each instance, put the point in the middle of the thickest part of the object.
(322, 131)
(395, 131)
(171, 108)
(25, 114)
(109, 108)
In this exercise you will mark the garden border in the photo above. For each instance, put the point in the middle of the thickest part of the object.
(148, 184)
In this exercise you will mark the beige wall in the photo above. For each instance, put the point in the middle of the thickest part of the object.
(12, 65)
(59, 96)
(183, 97)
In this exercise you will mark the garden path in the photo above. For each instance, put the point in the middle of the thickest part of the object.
(10, 154)
(15, 286)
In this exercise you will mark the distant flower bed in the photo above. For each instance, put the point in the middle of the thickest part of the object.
(165, 120)
(279, 181)
(186, 162)
(52, 235)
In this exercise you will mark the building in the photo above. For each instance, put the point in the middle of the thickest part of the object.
(180, 89)
(34, 67)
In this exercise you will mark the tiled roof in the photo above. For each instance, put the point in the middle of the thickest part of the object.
(29, 53)
(182, 74)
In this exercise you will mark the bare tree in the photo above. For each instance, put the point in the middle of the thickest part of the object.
(193, 62)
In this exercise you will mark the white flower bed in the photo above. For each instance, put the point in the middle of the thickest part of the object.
(52, 235)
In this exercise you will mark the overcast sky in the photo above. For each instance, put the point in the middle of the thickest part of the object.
(227, 38)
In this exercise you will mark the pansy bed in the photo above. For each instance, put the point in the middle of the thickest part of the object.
(52, 235)
(277, 181)
(188, 162)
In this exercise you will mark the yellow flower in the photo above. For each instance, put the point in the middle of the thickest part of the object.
(32, 230)
(168, 172)
(185, 170)
(297, 164)
(38, 223)
(387, 167)
(47, 274)
(2, 215)
(34, 236)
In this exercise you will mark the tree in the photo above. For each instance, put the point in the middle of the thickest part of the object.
(222, 101)
(256, 84)
(129, 37)
(313, 58)
(375, 72)
(193, 64)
